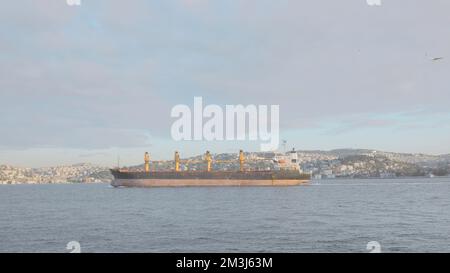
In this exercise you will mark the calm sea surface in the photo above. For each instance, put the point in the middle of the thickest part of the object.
(403, 215)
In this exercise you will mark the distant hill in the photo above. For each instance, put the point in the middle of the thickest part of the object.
(334, 163)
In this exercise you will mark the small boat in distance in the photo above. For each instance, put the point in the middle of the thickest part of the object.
(289, 174)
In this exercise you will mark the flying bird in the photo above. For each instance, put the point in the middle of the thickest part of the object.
(437, 59)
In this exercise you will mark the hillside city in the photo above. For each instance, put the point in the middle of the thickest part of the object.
(342, 163)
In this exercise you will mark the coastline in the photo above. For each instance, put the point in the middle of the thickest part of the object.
(2, 183)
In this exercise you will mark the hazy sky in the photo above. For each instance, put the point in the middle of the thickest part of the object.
(87, 83)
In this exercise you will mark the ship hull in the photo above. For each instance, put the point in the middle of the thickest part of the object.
(213, 178)
(204, 183)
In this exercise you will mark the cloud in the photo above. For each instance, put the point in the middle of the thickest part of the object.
(363, 124)
(108, 72)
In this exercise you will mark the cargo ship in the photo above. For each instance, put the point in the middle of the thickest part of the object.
(288, 174)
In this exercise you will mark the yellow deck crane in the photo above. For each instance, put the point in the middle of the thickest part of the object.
(241, 160)
(177, 161)
(208, 160)
(147, 162)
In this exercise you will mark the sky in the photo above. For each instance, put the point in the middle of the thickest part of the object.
(96, 82)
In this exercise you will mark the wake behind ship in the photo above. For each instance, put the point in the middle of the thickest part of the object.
(288, 175)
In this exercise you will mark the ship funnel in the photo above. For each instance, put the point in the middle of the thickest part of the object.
(294, 156)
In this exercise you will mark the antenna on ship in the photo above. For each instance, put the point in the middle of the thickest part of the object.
(284, 146)
(118, 161)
